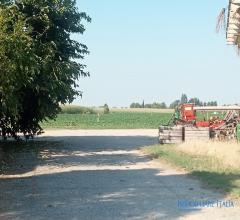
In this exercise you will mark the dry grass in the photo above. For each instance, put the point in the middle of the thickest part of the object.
(226, 152)
(100, 110)
(215, 164)
(144, 110)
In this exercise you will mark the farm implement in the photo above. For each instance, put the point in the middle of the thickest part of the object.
(190, 122)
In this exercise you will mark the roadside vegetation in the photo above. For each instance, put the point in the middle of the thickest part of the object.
(216, 164)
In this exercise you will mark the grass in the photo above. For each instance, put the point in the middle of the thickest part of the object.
(113, 120)
(209, 168)
(226, 152)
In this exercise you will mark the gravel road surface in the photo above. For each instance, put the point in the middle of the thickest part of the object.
(101, 175)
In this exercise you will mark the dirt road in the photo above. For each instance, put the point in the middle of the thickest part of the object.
(100, 175)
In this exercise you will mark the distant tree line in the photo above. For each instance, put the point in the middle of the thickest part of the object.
(183, 100)
(196, 101)
(153, 105)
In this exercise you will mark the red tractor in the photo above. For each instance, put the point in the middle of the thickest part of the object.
(190, 122)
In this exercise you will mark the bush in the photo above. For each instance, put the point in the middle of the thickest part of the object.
(106, 109)
(77, 110)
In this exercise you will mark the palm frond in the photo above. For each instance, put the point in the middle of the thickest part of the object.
(221, 20)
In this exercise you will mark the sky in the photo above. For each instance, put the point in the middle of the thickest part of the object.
(155, 50)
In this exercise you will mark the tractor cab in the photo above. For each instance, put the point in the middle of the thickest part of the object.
(188, 114)
(185, 114)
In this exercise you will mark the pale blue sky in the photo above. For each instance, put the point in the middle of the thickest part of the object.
(156, 50)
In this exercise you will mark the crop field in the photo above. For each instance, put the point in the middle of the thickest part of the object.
(113, 120)
(78, 117)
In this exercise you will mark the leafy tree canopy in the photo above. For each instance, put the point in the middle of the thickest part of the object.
(184, 99)
(153, 105)
(39, 61)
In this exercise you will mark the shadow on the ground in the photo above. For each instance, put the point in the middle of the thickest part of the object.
(99, 194)
(67, 151)
(226, 182)
(102, 194)
(22, 157)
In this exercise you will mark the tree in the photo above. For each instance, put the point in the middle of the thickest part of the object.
(38, 61)
(184, 99)
(106, 109)
(195, 101)
(156, 105)
(143, 104)
(163, 105)
(153, 105)
(174, 104)
(212, 103)
(135, 105)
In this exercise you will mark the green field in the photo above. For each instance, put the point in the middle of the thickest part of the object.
(79, 117)
(113, 120)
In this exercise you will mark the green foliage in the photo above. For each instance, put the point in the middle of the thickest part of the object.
(38, 62)
(184, 99)
(195, 101)
(135, 105)
(106, 109)
(174, 104)
(153, 105)
(77, 110)
(156, 105)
